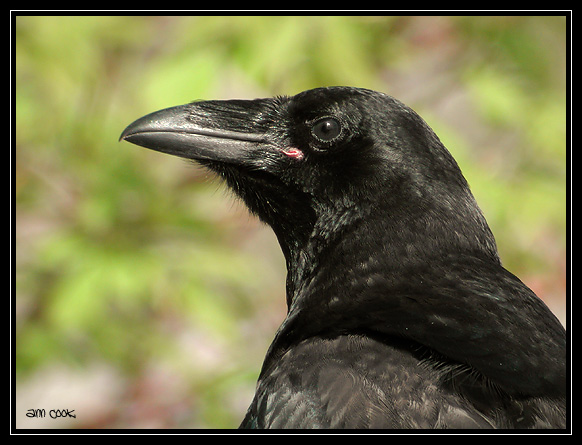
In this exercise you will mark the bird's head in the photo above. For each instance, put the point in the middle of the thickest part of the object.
(323, 158)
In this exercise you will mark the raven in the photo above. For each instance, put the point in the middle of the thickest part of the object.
(400, 314)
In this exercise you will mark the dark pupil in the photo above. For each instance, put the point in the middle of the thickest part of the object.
(326, 129)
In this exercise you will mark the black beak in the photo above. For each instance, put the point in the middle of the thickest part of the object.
(226, 131)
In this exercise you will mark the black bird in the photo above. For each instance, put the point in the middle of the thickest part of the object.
(400, 314)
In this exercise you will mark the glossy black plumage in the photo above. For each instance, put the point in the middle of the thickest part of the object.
(400, 314)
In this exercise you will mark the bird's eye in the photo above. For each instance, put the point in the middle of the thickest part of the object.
(326, 129)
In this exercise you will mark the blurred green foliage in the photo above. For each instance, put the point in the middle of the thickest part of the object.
(133, 259)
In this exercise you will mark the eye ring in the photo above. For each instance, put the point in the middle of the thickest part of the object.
(326, 129)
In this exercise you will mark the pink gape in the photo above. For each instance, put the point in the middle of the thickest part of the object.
(293, 153)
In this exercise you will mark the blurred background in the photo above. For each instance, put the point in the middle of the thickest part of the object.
(146, 296)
